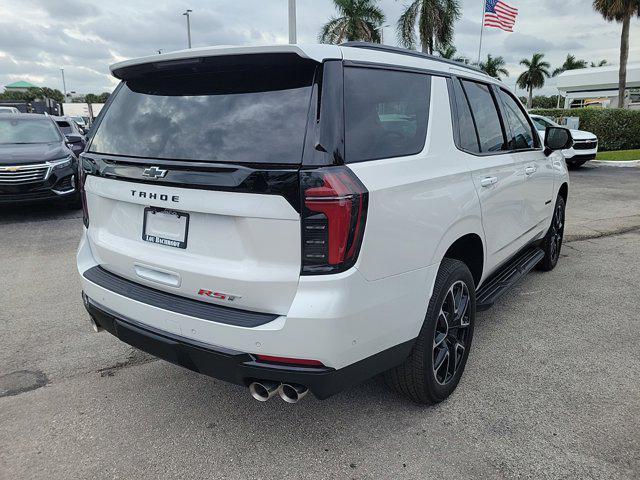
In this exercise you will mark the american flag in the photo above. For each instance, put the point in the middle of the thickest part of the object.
(500, 15)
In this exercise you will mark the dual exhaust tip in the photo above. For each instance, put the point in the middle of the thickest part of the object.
(289, 392)
(96, 328)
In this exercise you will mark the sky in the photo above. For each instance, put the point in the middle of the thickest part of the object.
(38, 37)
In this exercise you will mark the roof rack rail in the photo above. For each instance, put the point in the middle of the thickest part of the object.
(412, 53)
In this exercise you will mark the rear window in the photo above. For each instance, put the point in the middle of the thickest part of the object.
(385, 113)
(239, 116)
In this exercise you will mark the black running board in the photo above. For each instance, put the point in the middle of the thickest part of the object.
(506, 277)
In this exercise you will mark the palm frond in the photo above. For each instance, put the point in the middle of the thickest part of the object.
(406, 25)
(373, 14)
(332, 31)
(617, 10)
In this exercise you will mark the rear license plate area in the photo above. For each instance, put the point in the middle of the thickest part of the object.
(165, 227)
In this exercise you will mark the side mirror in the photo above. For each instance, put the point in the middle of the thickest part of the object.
(73, 138)
(557, 138)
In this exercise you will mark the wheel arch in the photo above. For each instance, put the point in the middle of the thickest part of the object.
(464, 241)
(564, 191)
(469, 250)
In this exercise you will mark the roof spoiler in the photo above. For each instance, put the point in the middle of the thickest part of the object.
(215, 58)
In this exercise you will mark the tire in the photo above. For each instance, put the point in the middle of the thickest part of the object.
(552, 241)
(416, 378)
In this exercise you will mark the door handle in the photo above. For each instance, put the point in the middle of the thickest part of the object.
(530, 170)
(488, 181)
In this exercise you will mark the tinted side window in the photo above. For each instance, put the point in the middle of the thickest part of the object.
(65, 127)
(466, 126)
(539, 124)
(544, 122)
(521, 132)
(486, 116)
(385, 113)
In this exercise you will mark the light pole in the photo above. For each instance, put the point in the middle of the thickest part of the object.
(381, 31)
(188, 25)
(292, 21)
(64, 85)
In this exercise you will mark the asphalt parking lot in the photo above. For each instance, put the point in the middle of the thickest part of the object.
(551, 390)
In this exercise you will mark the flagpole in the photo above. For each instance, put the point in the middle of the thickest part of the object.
(484, 7)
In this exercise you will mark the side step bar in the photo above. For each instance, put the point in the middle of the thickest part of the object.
(498, 283)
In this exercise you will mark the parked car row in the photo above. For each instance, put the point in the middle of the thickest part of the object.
(73, 132)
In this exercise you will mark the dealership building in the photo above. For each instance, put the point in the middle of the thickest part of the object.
(598, 87)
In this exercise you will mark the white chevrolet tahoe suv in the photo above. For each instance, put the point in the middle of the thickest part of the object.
(302, 218)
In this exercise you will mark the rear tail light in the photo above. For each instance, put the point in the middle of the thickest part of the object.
(83, 194)
(334, 212)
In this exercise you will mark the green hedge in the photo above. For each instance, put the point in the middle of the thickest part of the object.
(616, 129)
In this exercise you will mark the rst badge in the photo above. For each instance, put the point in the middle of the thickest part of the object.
(218, 295)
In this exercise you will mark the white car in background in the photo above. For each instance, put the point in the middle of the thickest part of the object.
(585, 144)
(4, 109)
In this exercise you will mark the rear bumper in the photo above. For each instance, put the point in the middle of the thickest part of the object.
(239, 367)
(356, 328)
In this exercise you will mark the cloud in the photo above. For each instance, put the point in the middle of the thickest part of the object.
(519, 43)
(67, 9)
(38, 37)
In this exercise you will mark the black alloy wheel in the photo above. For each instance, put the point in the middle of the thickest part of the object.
(557, 232)
(451, 332)
(552, 242)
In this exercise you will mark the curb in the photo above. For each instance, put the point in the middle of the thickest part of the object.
(613, 163)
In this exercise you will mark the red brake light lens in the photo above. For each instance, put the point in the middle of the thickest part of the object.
(290, 361)
(333, 219)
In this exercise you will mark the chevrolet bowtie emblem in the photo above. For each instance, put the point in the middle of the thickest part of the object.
(154, 172)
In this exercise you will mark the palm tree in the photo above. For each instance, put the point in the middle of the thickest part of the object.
(357, 20)
(494, 66)
(601, 63)
(620, 11)
(570, 64)
(449, 52)
(435, 20)
(534, 75)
